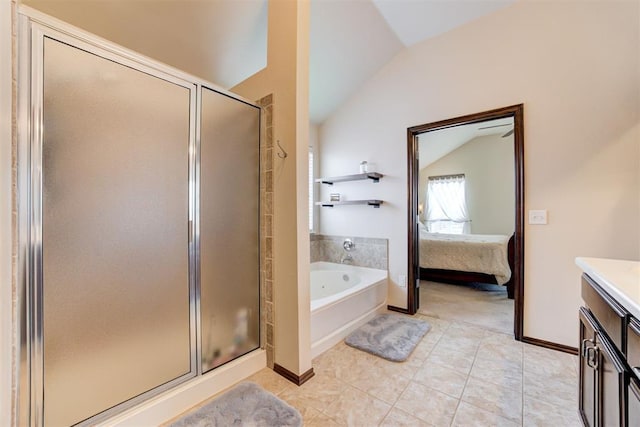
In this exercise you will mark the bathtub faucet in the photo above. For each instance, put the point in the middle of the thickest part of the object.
(346, 259)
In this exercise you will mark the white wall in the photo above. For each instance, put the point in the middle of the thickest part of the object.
(575, 66)
(488, 165)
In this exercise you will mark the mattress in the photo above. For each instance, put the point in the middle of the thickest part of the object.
(476, 253)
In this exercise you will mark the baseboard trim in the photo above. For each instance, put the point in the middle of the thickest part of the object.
(398, 309)
(551, 345)
(296, 379)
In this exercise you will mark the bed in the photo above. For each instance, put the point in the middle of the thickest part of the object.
(457, 258)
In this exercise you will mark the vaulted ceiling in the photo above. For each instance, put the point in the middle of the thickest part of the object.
(224, 41)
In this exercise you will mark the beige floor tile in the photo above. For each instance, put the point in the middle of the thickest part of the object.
(466, 330)
(423, 349)
(398, 418)
(496, 350)
(322, 420)
(542, 414)
(357, 408)
(468, 415)
(484, 308)
(452, 358)
(446, 380)
(549, 363)
(269, 380)
(554, 390)
(427, 404)
(389, 369)
(504, 373)
(341, 360)
(381, 386)
(317, 393)
(504, 401)
(309, 414)
(438, 325)
(459, 343)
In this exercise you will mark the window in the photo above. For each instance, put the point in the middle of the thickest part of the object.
(447, 205)
(311, 186)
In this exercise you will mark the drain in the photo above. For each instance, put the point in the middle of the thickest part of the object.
(345, 277)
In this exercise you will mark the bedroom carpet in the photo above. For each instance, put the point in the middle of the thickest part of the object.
(247, 404)
(390, 336)
(486, 306)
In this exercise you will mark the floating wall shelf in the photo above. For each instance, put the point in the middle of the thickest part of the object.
(374, 176)
(374, 203)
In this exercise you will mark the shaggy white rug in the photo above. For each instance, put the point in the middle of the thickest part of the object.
(390, 336)
(247, 404)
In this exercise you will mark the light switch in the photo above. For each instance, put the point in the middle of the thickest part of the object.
(538, 217)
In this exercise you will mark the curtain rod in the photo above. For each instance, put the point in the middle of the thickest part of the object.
(459, 175)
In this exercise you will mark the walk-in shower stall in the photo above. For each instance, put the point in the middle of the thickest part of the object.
(139, 225)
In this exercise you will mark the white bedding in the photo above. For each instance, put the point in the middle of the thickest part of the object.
(477, 253)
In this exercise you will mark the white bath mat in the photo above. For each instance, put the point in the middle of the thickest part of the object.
(247, 404)
(390, 336)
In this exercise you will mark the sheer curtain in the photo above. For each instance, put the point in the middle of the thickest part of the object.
(447, 205)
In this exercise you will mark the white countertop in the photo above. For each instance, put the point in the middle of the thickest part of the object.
(621, 280)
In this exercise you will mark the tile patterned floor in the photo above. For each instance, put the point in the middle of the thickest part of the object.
(459, 375)
(481, 305)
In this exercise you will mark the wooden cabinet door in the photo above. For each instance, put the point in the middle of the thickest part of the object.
(633, 407)
(587, 403)
(611, 384)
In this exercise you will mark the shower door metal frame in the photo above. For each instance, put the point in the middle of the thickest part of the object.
(32, 32)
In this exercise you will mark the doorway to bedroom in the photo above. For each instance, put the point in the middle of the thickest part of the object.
(466, 219)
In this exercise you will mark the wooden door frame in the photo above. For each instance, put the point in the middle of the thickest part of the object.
(413, 173)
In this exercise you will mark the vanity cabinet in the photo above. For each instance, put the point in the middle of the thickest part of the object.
(633, 359)
(609, 394)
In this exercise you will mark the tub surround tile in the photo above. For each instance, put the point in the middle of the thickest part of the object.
(269, 334)
(368, 252)
(268, 203)
(268, 290)
(266, 227)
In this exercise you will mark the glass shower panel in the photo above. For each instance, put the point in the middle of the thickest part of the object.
(116, 296)
(229, 220)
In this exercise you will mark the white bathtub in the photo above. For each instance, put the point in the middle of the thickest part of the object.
(343, 297)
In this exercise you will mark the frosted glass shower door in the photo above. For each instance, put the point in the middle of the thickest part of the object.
(229, 221)
(116, 306)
